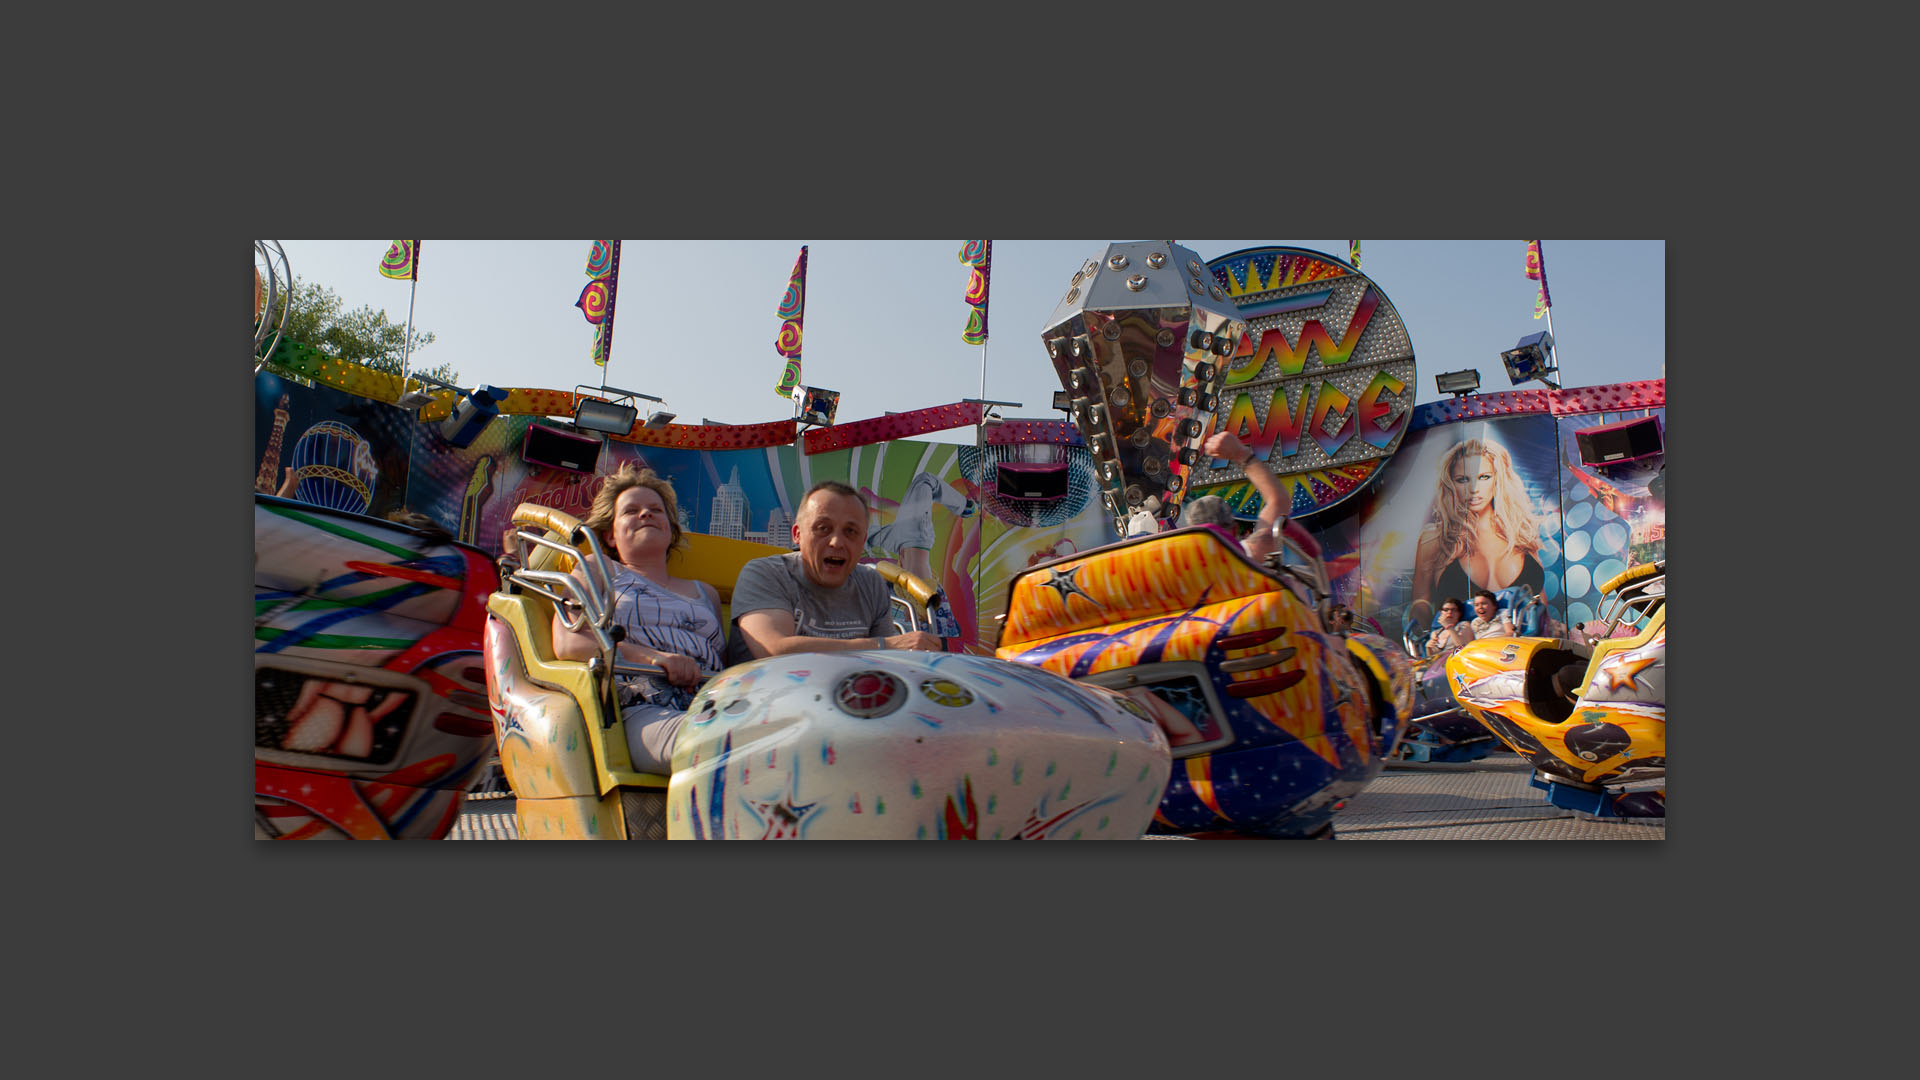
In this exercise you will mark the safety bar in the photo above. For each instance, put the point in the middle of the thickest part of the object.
(1641, 590)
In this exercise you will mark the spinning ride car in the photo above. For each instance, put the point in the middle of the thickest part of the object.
(370, 718)
(1277, 720)
(1591, 718)
(853, 745)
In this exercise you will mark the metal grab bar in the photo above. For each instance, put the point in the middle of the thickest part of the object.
(913, 617)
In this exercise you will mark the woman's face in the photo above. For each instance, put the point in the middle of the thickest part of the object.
(640, 524)
(1473, 482)
(1449, 613)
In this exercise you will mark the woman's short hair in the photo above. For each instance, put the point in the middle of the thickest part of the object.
(1207, 510)
(618, 483)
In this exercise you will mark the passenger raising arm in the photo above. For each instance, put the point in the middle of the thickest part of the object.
(1273, 501)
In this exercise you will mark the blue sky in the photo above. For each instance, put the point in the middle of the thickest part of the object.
(696, 323)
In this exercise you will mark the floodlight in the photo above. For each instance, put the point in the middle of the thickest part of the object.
(1531, 359)
(593, 415)
(471, 415)
(815, 406)
(1458, 383)
(1063, 401)
(660, 419)
(610, 409)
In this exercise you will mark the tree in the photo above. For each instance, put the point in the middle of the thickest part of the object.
(316, 317)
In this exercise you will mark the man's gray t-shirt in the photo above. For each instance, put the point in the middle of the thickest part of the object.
(861, 607)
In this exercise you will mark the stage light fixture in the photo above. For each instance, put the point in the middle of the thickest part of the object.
(1532, 359)
(1458, 383)
(605, 416)
(608, 410)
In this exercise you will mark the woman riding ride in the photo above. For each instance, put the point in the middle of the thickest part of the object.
(670, 622)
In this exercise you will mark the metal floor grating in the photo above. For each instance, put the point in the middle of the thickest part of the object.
(1482, 800)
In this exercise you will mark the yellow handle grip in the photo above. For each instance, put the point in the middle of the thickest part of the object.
(919, 589)
(1632, 574)
(534, 516)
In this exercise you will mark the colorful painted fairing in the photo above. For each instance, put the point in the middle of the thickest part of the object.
(898, 745)
(370, 717)
(1278, 720)
(1616, 730)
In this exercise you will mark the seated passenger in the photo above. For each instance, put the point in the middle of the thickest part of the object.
(1451, 633)
(671, 623)
(1488, 619)
(1340, 620)
(819, 598)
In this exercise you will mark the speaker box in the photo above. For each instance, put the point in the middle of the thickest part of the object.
(1032, 480)
(560, 449)
(1628, 440)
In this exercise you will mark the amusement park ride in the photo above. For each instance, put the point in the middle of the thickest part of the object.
(1165, 683)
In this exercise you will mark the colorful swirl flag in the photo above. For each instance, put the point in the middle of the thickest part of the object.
(593, 302)
(1353, 253)
(402, 262)
(793, 309)
(979, 255)
(600, 259)
(1537, 271)
(597, 300)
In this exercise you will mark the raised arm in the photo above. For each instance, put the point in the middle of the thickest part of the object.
(1273, 501)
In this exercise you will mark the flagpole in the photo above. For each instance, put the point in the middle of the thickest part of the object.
(406, 344)
(979, 485)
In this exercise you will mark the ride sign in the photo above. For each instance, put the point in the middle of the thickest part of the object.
(1320, 387)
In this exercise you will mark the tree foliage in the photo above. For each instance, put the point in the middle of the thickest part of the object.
(317, 316)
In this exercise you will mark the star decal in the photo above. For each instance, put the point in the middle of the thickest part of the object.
(784, 819)
(1620, 671)
(1064, 584)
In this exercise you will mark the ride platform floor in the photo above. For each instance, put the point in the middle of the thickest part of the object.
(1488, 799)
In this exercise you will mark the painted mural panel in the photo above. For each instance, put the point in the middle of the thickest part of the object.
(1463, 506)
(329, 448)
(1612, 517)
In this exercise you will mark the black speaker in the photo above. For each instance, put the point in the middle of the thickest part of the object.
(560, 449)
(1629, 440)
(1032, 480)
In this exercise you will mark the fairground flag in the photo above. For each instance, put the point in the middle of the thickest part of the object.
(402, 262)
(793, 309)
(979, 255)
(1537, 271)
(1353, 253)
(596, 300)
